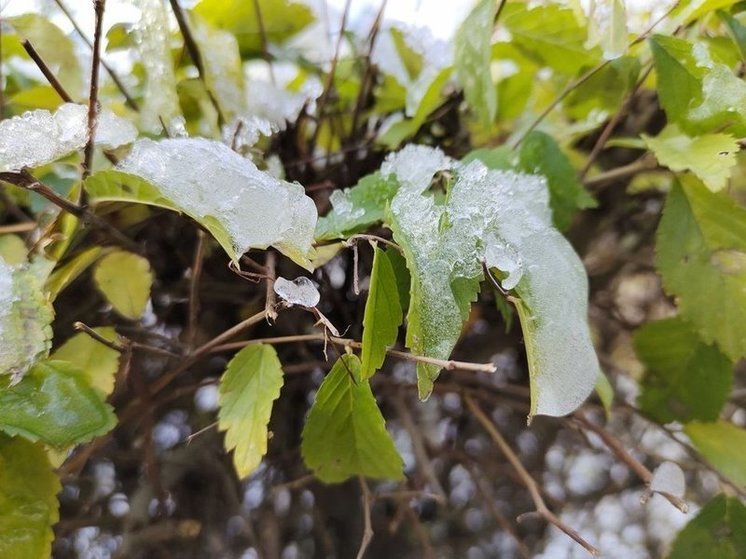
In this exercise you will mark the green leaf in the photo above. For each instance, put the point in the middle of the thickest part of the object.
(280, 19)
(685, 378)
(345, 434)
(709, 156)
(679, 76)
(701, 255)
(737, 31)
(125, 280)
(54, 404)
(28, 500)
(686, 12)
(550, 35)
(540, 155)
(13, 250)
(248, 388)
(411, 59)
(473, 59)
(717, 532)
(401, 273)
(383, 314)
(69, 272)
(98, 362)
(607, 26)
(605, 392)
(356, 208)
(25, 318)
(723, 445)
(55, 48)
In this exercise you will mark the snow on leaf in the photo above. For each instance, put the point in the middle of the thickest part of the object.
(39, 137)
(25, 318)
(300, 291)
(210, 182)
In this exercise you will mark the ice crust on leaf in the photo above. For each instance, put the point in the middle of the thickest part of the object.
(40, 137)
(207, 180)
(668, 478)
(25, 318)
(300, 291)
(503, 219)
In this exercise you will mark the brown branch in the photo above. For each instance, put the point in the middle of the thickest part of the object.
(98, 7)
(199, 253)
(366, 500)
(645, 163)
(129, 101)
(542, 511)
(48, 74)
(617, 448)
(270, 301)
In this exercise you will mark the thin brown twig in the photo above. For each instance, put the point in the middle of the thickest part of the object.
(352, 239)
(48, 74)
(270, 301)
(18, 227)
(542, 511)
(196, 276)
(98, 8)
(617, 448)
(366, 500)
(645, 163)
(129, 101)
(264, 41)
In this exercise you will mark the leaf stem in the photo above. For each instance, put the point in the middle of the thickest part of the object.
(98, 7)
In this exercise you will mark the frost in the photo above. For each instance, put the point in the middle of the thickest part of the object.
(160, 101)
(343, 205)
(504, 257)
(300, 291)
(668, 478)
(414, 166)
(206, 179)
(40, 137)
(243, 133)
(25, 318)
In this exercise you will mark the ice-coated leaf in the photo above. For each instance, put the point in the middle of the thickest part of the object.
(473, 58)
(300, 291)
(54, 46)
(356, 208)
(28, 499)
(701, 255)
(160, 100)
(25, 319)
(248, 388)
(124, 279)
(55, 404)
(685, 378)
(97, 361)
(222, 65)
(723, 445)
(345, 434)
(668, 478)
(709, 156)
(256, 209)
(540, 155)
(717, 532)
(39, 137)
(383, 314)
(280, 20)
(607, 26)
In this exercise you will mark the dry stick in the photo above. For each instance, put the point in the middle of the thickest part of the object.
(330, 78)
(533, 488)
(448, 364)
(199, 253)
(270, 300)
(191, 46)
(616, 446)
(51, 78)
(366, 500)
(645, 163)
(264, 41)
(98, 7)
(129, 101)
(373, 238)
(125, 347)
(18, 227)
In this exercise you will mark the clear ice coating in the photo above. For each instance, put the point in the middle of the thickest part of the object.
(503, 219)
(206, 179)
(668, 478)
(300, 291)
(343, 205)
(25, 318)
(40, 137)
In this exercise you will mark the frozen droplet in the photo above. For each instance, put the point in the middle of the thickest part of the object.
(118, 505)
(504, 257)
(668, 477)
(300, 291)
(343, 205)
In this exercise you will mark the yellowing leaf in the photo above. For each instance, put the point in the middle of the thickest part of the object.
(28, 500)
(249, 386)
(383, 314)
(723, 445)
(124, 279)
(709, 156)
(345, 434)
(98, 362)
(67, 273)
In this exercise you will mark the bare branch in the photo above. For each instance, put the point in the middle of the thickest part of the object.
(98, 7)
(51, 78)
(366, 500)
